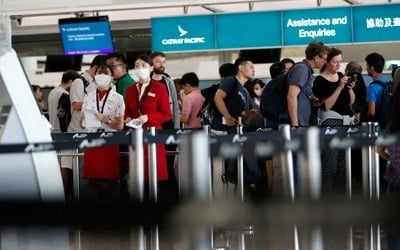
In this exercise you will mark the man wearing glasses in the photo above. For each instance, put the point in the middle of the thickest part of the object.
(300, 84)
(123, 80)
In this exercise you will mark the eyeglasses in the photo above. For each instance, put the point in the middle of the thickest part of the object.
(324, 57)
(115, 65)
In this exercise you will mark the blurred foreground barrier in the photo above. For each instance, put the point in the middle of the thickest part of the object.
(282, 143)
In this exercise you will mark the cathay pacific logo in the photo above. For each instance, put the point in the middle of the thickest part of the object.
(181, 31)
(183, 40)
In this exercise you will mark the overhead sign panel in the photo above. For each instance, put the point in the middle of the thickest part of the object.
(376, 23)
(330, 25)
(248, 30)
(183, 33)
(266, 29)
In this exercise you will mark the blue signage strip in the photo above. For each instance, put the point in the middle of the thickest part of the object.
(251, 29)
(183, 33)
(373, 23)
(330, 25)
(376, 23)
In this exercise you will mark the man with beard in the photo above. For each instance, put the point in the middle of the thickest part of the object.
(158, 74)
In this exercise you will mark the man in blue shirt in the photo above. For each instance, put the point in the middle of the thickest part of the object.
(375, 63)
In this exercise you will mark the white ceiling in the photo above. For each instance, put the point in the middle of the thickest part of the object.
(37, 32)
(48, 11)
(39, 17)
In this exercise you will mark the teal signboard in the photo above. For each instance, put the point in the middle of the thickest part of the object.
(330, 25)
(183, 33)
(267, 29)
(376, 23)
(252, 29)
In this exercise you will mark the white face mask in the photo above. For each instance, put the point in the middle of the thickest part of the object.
(258, 92)
(143, 73)
(103, 80)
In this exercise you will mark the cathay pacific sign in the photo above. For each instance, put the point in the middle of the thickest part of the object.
(183, 33)
(182, 39)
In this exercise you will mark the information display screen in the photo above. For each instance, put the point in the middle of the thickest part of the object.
(87, 35)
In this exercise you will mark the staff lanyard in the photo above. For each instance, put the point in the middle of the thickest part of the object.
(104, 102)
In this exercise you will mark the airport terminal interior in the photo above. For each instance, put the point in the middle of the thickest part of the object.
(201, 205)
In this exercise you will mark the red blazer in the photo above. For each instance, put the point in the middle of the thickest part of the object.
(154, 104)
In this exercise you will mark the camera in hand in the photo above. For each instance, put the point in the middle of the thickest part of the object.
(352, 78)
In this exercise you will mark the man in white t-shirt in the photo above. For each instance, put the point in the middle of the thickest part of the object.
(53, 103)
(54, 97)
(78, 91)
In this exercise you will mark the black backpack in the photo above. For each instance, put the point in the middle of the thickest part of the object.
(64, 112)
(85, 83)
(208, 109)
(382, 113)
(273, 98)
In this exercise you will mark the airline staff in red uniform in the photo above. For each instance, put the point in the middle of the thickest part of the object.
(147, 101)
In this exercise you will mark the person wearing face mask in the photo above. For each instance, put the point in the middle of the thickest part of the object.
(255, 88)
(103, 110)
(147, 102)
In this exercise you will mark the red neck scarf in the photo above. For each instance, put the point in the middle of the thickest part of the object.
(101, 93)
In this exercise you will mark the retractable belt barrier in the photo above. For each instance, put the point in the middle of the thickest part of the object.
(262, 143)
(259, 144)
(70, 141)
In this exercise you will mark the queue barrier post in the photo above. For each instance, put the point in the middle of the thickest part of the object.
(76, 175)
(348, 172)
(368, 163)
(310, 166)
(195, 177)
(376, 167)
(154, 238)
(153, 168)
(206, 130)
(286, 160)
(138, 238)
(240, 163)
(136, 166)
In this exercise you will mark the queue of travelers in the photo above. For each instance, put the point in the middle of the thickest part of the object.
(106, 97)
